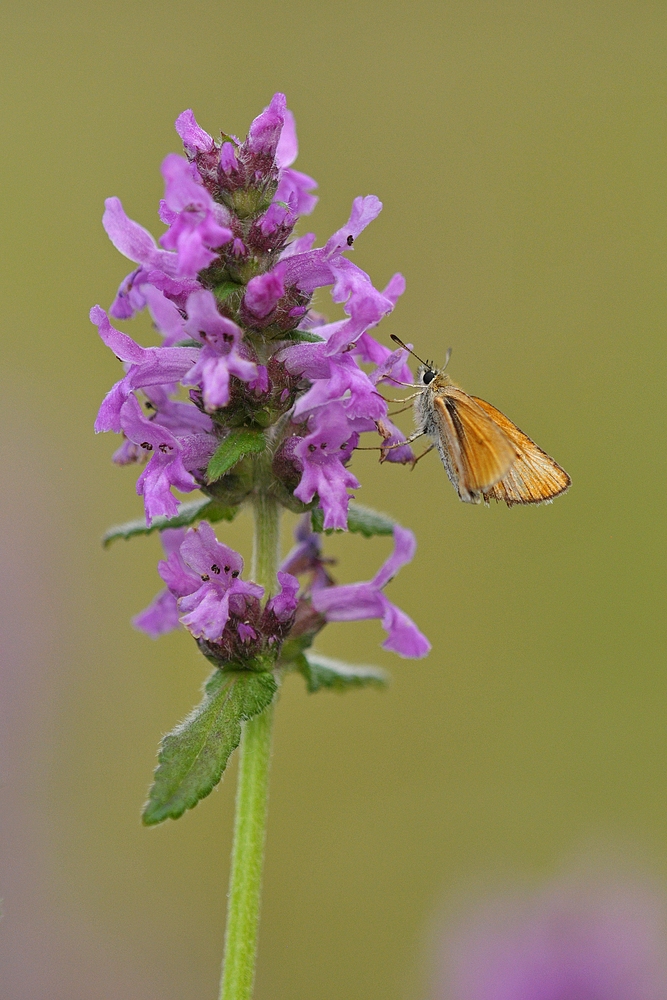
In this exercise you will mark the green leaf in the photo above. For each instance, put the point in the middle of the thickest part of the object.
(361, 520)
(225, 289)
(323, 672)
(291, 654)
(188, 342)
(192, 757)
(230, 451)
(302, 336)
(196, 510)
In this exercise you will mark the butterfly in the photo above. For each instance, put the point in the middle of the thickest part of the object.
(485, 455)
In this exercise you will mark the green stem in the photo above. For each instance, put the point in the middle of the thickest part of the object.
(265, 549)
(245, 882)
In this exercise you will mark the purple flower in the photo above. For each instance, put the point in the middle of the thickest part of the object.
(162, 614)
(364, 305)
(302, 244)
(157, 267)
(313, 269)
(395, 288)
(392, 367)
(195, 228)
(593, 939)
(287, 149)
(294, 187)
(134, 241)
(306, 360)
(339, 380)
(228, 161)
(361, 301)
(322, 453)
(166, 467)
(276, 217)
(160, 617)
(391, 437)
(195, 139)
(165, 314)
(260, 385)
(182, 419)
(220, 591)
(129, 299)
(219, 357)
(227, 269)
(341, 403)
(283, 605)
(306, 556)
(145, 366)
(246, 633)
(128, 453)
(264, 132)
(263, 292)
(364, 211)
(344, 383)
(358, 601)
(179, 578)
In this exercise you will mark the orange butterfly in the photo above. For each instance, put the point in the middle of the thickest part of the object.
(485, 455)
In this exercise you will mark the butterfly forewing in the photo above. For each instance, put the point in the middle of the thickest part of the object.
(479, 452)
(533, 477)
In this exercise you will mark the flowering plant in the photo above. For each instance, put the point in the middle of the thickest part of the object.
(592, 935)
(251, 399)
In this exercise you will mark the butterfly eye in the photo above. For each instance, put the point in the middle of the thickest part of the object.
(428, 377)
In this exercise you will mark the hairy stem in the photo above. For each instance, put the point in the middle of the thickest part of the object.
(266, 543)
(238, 967)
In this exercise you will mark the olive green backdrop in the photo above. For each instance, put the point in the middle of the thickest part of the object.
(519, 149)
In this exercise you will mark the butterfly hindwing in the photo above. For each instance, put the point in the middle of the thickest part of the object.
(533, 477)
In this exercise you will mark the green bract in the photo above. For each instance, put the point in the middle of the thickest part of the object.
(324, 672)
(360, 520)
(237, 444)
(188, 514)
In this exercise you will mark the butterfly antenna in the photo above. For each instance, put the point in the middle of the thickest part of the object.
(447, 357)
(397, 340)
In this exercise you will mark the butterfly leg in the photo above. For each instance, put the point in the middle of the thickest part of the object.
(413, 395)
(399, 444)
(419, 457)
(402, 409)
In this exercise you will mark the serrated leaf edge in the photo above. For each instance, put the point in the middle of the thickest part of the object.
(226, 688)
(195, 510)
(139, 527)
(355, 674)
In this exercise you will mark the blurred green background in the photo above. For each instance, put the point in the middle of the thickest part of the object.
(519, 149)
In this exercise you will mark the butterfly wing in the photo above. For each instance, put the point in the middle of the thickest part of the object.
(533, 477)
(476, 453)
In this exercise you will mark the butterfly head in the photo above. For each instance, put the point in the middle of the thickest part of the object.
(431, 377)
(425, 374)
